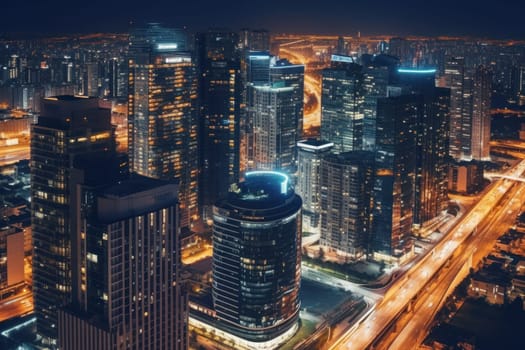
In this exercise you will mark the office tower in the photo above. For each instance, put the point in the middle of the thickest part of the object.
(341, 104)
(257, 258)
(481, 99)
(272, 110)
(393, 192)
(431, 189)
(378, 72)
(220, 100)
(459, 80)
(274, 93)
(162, 122)
(283, 72)
(131, 292)
(346, 181)
(67, 127)
(309, 155)
(117, 77)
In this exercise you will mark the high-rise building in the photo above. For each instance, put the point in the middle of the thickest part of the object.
(131, 294)
(283, 72)
(346, 181)
(395, 175)
(431, 189)
(309, 155)
(257, 259)
(162, 112)
(378, 72)
(220, 101)
(68, 126)
(341, 104)
(274, 94)
(481, 100)
(459, 79)
(272, 110)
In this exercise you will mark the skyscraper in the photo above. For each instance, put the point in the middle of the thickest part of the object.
(162, 119)
(220, 100)
(345, 193)
(274, 128)
(131, 292)
(432, 130)
(481, 99)
(69, 126)
(309, 155)
(257, 258)
(459, 79)
(378, 72)
(395, 175)
(341, 104)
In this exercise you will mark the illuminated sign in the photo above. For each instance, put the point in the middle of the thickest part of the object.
(167, 46)
(285, 179)
(341, 58)
(416, 71)
(177, 59)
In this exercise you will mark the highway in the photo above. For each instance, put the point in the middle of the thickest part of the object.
(469, 254)
(402, 291)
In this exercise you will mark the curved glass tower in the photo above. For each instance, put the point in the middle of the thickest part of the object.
(257, 257)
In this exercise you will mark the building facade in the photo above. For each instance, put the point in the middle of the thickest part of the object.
(162, 112)
(257, 258)
(346, 183)
(131, 294)
(308, 186)
(68, 127)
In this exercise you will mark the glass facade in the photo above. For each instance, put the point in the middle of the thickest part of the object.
(342, 101)
(162, 113)
(220, 100)
(394, 184)
(257, 256)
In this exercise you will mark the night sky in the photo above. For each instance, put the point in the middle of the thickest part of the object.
(496, 19)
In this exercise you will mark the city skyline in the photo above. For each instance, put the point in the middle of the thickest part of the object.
(432, 18)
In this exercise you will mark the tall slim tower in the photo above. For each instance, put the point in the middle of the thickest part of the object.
(308, 185)
(131, 296)
(431, 188)
(274, 128)
(69, 126)
(342, 118)
(459, 79)
(395, 176)
(481, 99)
(162, 114)
(220, 100)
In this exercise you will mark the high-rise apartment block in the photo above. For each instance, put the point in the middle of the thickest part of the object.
(309, 155)
(346, 183)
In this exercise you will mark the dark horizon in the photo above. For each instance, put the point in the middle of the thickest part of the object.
(330, 17)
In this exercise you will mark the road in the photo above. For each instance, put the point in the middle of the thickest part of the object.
(16, 306)
(13, 154)
(469, 254)
(405, 289)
